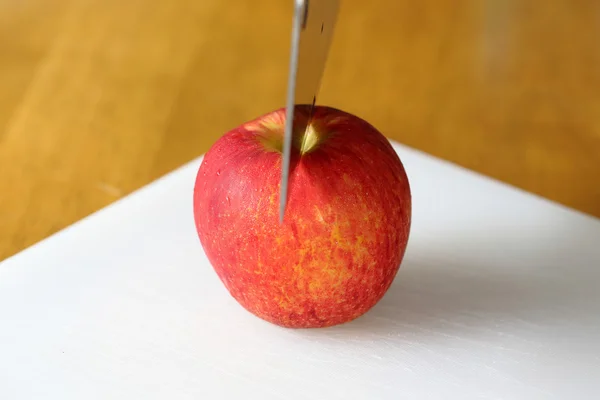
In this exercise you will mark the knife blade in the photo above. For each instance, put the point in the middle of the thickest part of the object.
(312, 30)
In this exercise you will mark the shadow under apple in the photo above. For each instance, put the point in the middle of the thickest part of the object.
(479, 284)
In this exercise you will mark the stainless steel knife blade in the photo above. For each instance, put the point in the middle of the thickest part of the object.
(312, 31)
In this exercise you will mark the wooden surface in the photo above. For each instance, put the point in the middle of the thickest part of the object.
(101, 97)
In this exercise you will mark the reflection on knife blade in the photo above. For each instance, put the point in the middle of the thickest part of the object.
(312, 30)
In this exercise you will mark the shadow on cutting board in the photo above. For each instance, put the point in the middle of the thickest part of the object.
(477, 283)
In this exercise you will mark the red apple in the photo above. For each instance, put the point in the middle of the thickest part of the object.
(346, 224)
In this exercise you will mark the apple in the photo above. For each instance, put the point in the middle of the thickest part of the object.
(345, 227)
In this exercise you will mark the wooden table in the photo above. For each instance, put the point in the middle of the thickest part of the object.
(101, 97)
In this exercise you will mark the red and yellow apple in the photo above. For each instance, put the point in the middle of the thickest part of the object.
(346, 223)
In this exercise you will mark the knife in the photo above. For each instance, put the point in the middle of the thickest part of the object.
(312, 29)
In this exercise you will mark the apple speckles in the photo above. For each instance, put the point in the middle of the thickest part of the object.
(344, 233)
(319, 215)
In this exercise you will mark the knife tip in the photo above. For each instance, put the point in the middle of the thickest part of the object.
(281, 211)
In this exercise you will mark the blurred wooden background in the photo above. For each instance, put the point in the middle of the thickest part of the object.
(99, 97)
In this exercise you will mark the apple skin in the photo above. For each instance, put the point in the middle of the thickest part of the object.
(345, 229)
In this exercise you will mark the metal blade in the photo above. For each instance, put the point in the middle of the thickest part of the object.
(312, 30)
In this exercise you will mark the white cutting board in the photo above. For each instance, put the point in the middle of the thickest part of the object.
(498, 298)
